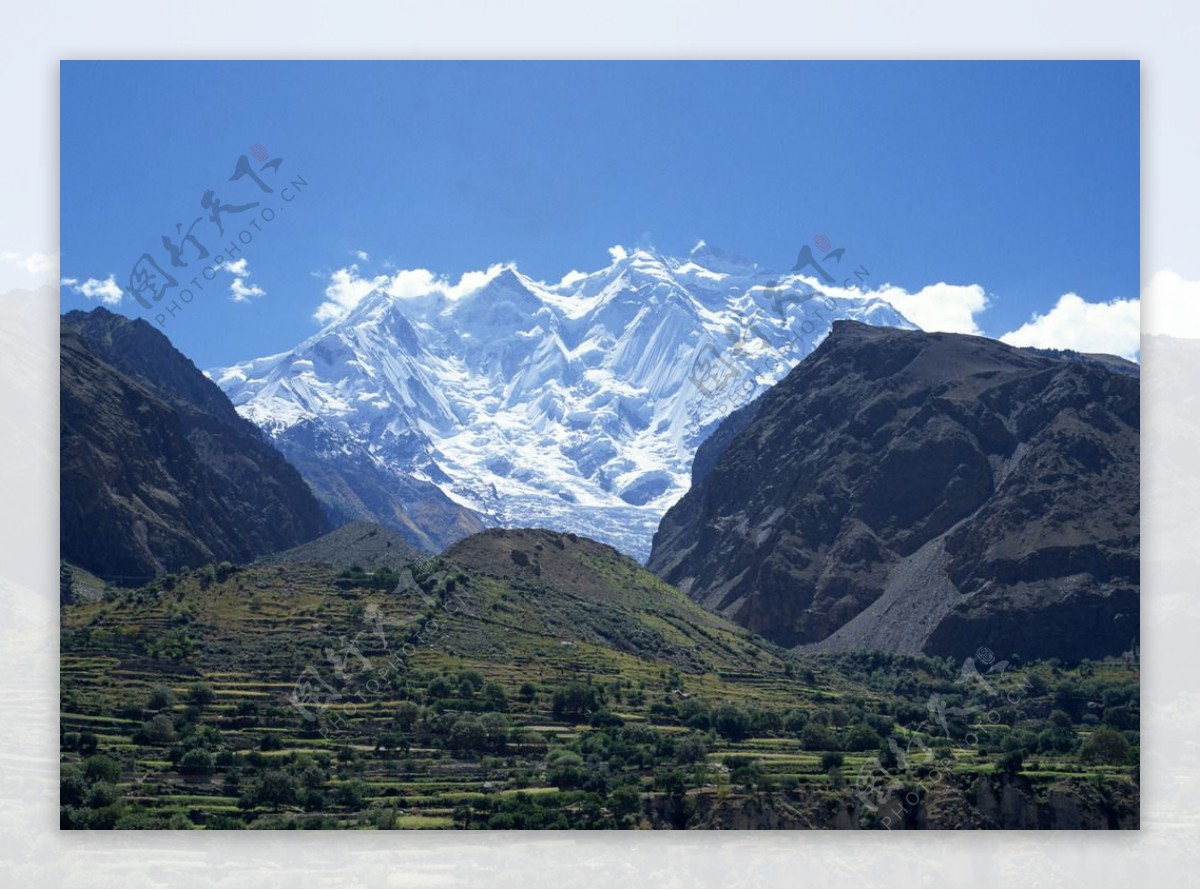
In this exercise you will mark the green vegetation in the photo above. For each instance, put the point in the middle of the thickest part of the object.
(307, 699)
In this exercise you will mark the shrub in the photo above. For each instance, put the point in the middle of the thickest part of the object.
(72, 788)
(197, 762)
(101, 769)
(565, 769)
(158, 731)
(275, 788)
(1012, 761)
(467, 735)
(574, 700)
(201, 694)
(832, 760)
(160, 697)
(350, 794)
(732, 722)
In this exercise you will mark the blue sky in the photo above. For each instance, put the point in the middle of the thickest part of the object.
(1020, 178)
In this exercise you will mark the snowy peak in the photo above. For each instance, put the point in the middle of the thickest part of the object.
(577, 405)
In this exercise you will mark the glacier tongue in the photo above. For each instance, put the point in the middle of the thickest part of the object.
(576, 406)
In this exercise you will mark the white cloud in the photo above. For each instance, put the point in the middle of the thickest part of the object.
(363, 256)
(1074, 323)
(473, 281)
(410, 283)
(33, 263)
(345, 291)
(949, 308)
(1171, 306)
(617, 252)
(239, 290)
(107, 291)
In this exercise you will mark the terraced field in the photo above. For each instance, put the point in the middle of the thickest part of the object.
(462, 694)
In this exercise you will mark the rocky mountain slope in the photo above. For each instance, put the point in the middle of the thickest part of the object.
(576, 405)
(367, 545)
(157, 468)
(923, 492)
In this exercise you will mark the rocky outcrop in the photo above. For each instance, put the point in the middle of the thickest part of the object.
(924, 493)
(158, 470)
(1000, 801)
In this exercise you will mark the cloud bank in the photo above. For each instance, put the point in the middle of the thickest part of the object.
(1074, 323)
(107, 291)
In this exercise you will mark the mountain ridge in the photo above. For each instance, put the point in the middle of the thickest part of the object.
(908, 491)
(157, 468)
(576, 405)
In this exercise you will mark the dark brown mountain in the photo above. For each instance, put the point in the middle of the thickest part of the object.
(158, 470)
(919, 492)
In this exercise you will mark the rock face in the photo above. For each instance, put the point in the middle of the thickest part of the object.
(923, 492)
(157, 468)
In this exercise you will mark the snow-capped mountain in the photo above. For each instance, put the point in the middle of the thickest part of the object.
(575, 406)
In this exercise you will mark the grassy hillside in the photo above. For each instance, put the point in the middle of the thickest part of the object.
(530, 679)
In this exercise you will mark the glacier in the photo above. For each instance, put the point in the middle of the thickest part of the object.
(575, 406)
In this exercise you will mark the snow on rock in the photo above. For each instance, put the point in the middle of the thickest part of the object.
(575, 406)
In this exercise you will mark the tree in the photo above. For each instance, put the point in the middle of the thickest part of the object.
(565, 769)
(816, 737)
(160, 697)
(350, 794)
(201, 694)
(574, 700)
(1105, 745)
(832, 760)
(467, 735)
(407, 715)
(527, 693)
(158, 731)
(493, 694)
(495, 731)
(275, 788)
(862, 737)
(1012, 762)
(1120, 717)
(197, 762)
(101, 769)
(72, 788)
(732, 722)
(692, 748)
